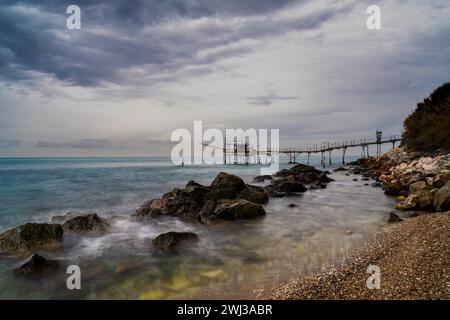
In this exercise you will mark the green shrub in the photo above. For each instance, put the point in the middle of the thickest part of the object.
(427, 129)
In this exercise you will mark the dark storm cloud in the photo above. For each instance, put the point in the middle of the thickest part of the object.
(119, 37)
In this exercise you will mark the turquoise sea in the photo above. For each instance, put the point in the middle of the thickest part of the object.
(232, 260)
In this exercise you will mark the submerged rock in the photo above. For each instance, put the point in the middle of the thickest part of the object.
(87, 224)
(30, 237)
(36, 264)
(173, 242)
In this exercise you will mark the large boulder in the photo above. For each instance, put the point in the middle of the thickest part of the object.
(36, 265)
(31, 237)
(425, 199)
(236, 209)
(173, 242)
(90, 224)
(227, 186)
(442, 198)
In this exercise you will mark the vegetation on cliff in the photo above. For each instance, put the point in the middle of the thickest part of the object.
(427, 129)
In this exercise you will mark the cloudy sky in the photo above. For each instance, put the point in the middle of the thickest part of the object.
(139, 69)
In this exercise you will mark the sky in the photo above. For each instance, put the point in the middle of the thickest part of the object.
(138, 70)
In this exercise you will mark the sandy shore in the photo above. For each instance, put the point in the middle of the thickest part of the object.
(414, 258)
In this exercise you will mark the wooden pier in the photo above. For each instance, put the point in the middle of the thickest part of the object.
(242, 153)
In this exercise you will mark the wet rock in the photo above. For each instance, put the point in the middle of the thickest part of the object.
(36, 265)
(235, 210)
(394, 218)
(227, 186)
(288, 186)
(297, 180)
(355, 179)
(442, 198)
(392, 188)
(254, 194)
(365, 179)
(263, 178)
(196, 203)
(87, 224)
(61, 218)
(173, 242)
(409, 203)
(340, 169)
(292, 205)
(376, 184)
(31, 237)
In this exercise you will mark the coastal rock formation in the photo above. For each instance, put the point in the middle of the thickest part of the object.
(30, 237)
(418, 178)
(198, 203)
(442, 198)
(173, 242)
(35, 265)
(90, 224)
(297, 179)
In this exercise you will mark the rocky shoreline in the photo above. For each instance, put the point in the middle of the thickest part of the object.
(413, 254)
(420, 182)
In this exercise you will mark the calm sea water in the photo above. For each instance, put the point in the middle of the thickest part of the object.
(232, 260)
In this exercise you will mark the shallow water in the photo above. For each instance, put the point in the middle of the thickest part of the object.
(232, 259)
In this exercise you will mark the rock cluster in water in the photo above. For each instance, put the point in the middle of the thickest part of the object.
(228, 198)
(420, 182)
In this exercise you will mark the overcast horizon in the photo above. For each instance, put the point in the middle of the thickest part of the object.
(136, 71)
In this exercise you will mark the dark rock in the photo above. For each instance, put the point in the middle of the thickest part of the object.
(355, 179)
(442, 198)
(235, 210)
(376, 184)
(365, 179)
(292, 205)
(30, 237)
(263, 178)
(87, 224)
(394, 218)
(196, 203)
(173, 242)
(35, 265)
(227, 186)
(340, 169)
(255, 194)
(392, 188)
